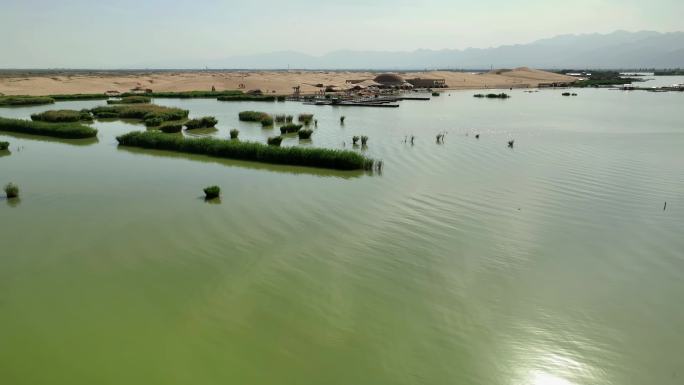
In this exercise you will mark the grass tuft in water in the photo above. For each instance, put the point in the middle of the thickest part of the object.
(234, 133)
(204, 122)
(290, 128)
(305, 134)
(11, 190)
(4, 146)
(212, 192)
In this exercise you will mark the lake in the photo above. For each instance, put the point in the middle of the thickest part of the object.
(466, 262)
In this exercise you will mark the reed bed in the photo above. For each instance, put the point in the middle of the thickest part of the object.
(136, 99)
(267, 121)
(4, 146)
(493, 96)
(63, 116)
(9, 101)
(171, 128)
(56, 130)
(253, 116)
(290, 128)
(70, 97)
(305, 134)
(305, 118)
(274, 141)
(204, 122)
(212, 192)
(250, 151)
(11, 190)
(151, 114)
(281, 118)
(188, 94)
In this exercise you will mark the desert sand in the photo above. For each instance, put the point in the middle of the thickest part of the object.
(282, 82)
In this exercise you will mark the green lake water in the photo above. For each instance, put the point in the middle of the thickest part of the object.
(551, 263)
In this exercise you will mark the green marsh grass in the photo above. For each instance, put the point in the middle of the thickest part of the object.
(274, 141)
(58, 130)
(305, 134)
(11, 190)
(251, 151)
(203, 122)
(4, 146)
(290, 128)
(212, 192)
(234, 133)
(252, 116)
(63, 116)
(22, 100)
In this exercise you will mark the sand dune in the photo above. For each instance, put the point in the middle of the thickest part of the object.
(280, 82)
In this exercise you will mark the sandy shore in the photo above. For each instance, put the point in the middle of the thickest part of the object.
(268, 81)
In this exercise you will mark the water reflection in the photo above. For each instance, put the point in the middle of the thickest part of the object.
(13, 202)
(39, 138)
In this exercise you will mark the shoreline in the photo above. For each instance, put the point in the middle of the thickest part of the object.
(38, 83)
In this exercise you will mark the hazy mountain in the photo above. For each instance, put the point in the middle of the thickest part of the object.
(620, 49)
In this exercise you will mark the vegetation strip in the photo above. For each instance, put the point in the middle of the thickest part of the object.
(251, 151)
(56, 130)
(63, 116)
(187, 94)
(9, 101)
(151, 114)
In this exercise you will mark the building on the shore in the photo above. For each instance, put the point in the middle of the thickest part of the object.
(427, 83)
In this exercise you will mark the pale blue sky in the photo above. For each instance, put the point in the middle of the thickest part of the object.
(131, 33)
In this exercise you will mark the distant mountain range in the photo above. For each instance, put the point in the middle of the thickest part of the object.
(620, 49)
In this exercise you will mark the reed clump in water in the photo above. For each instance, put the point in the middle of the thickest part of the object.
(57, 130)
(4, 146)
(281, 118)
(251, 151)
(305, 134)
(153, 115)
(511, 143)
(8, 101)
(364, 140)
(171, 128)
(11, 190)
(436, 94)
(305, 118)
(355, 140)
(212, 192)
(63, 116)
(274, 141)
(252, 116)
(290, 128)
(493, 96)
(204, 122)
(267, 121)
(136, 99)
(234, 133)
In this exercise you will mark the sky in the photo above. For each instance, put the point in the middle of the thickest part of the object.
(135, 33)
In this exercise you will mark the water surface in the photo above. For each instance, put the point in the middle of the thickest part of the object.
(462, 263)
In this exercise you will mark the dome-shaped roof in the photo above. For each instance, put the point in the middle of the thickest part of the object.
(389, 79)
